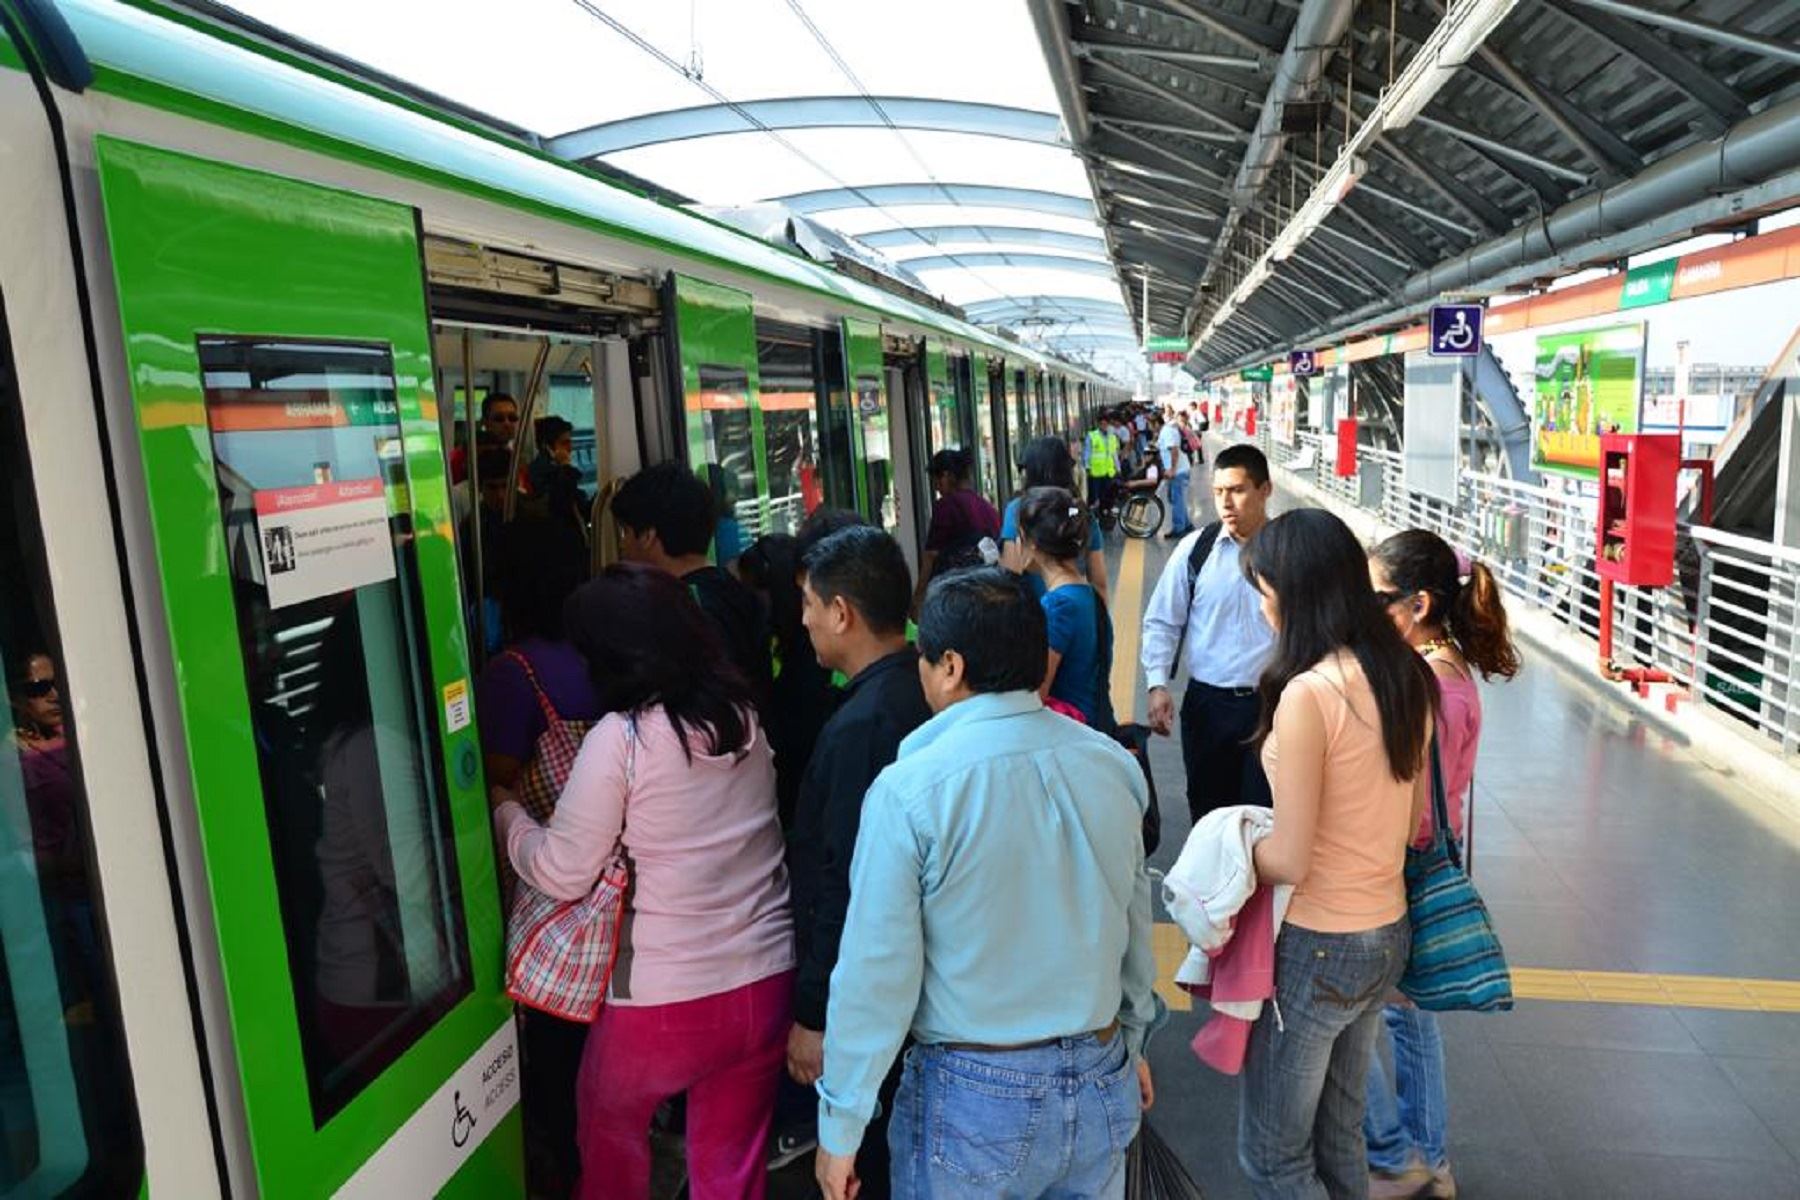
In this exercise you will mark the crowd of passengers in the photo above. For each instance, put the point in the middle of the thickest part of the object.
(887, 838)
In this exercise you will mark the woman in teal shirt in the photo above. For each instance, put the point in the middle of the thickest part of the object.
(1047, 463)
(1053, 530)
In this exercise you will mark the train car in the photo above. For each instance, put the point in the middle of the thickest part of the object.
(252, 303)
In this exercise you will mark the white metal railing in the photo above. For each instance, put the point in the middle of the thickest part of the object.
(1727, 630)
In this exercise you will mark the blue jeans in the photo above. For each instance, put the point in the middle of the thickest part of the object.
(1300, 1133)
(1412, 1113)
(1178, 503)
(1049, 1123)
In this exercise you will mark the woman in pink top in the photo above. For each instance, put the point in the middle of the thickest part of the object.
(1346, 725)
(1449, 611)
(679, 773)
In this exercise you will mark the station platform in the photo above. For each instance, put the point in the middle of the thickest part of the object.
(1645, 901)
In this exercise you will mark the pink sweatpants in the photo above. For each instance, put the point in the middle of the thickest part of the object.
(726, 1052)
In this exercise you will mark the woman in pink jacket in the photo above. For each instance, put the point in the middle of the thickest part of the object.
(679, 772)
(1449, 610)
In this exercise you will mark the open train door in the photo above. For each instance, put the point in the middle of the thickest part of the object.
(281, 375)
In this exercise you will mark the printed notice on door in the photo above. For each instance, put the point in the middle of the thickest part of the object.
(320, 540)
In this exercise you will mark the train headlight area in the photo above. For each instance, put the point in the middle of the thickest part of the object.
(319, 382)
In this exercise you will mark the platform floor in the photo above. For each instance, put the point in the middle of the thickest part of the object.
(1662, 893)
(1616, 867)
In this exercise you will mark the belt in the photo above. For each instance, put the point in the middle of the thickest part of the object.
(1104, 1036)
(1242, 693)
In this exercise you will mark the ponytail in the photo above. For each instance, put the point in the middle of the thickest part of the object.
(1477, 620)
(1053, 520)
(1464, 597)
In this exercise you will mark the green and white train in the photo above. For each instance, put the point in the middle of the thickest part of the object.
(249, 300)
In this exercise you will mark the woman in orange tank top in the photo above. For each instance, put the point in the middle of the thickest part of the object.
(1346, 727)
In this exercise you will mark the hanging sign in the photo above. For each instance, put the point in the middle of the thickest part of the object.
(1455, 330)
(1303, 364)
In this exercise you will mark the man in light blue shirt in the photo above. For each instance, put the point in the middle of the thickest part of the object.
(1216, 614)
(1000, 915)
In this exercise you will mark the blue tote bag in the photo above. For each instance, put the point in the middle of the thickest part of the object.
(1456, 961)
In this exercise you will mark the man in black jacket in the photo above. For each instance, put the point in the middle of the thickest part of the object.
(856, 593)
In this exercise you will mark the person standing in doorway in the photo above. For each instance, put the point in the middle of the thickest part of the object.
(856, 589)
(961, 519)
(666, 517)
(1000, 915)
(1206, 611)
(1171, 453)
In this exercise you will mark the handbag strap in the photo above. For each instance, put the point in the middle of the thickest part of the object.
(537, 689)
(1440, 806)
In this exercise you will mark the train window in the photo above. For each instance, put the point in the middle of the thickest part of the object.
(987, 455)
(840, 456)
(67, 1125)
(790, 407)
(728, 460)
(872, 417)
(312, 491)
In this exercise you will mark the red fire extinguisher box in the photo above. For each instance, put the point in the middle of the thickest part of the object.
(1637, 507)
(1346, 447)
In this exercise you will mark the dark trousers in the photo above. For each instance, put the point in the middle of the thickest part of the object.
(1222, 767)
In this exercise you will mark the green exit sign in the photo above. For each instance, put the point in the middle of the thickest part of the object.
(1258, 374)
(1163, 345)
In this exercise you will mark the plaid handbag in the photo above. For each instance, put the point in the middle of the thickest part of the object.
(560, 953)
(1456, 960)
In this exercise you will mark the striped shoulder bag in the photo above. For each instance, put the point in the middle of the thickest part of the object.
(1456, 961)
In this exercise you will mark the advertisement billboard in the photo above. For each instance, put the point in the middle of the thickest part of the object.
(1585, 383)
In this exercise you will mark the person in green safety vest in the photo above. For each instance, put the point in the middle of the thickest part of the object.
(1102, 464)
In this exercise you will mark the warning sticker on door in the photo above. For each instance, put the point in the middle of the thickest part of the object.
(324, 539)
(456, 706)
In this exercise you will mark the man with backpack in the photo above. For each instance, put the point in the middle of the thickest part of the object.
(1205, 615)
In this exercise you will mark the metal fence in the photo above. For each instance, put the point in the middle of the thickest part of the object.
(1727, 630)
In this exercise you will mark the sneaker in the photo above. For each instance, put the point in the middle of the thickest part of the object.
(1443, 1185)
(1408, 1183)
(789, 1145)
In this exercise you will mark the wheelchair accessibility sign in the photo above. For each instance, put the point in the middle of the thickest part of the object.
(1455, 330)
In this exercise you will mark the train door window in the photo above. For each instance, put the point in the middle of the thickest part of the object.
(730, 457)
(790, 408)
(67, 1122)
(987, 460)
(312, 491)
(839, 451)
(873, 418)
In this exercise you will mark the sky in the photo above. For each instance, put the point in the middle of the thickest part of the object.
(555, 66)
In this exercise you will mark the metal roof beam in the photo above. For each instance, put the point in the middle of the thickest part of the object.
(931, 236)
(1750, 43)
(1606, 149)
(973, 194)
(1261, 40)
(1186, 131)
(1090, 45)
(1364, 247)
(1724, 106)
(990, 258)
(1172, 201)
(1150, 201)
(1071, 305)
(1207, 176)
(1495, 146)
(1416, 209)
(808, 112)
(1168, 94)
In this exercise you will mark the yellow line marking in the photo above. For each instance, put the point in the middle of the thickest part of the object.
(1576, 987)
(1128, 620)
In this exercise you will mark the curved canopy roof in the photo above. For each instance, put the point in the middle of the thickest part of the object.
(931, 130)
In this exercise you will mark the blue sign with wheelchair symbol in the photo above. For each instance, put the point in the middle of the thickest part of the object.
(1455, 330)
(1303, 363)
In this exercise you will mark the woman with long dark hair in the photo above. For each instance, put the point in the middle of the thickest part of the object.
(1449, 611)
(679, 774)
(1053, 532)
(1048, 464)
(1345, 732)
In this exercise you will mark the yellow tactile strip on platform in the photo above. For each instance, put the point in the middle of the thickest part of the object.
(1662, 991)
(1576, 987)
